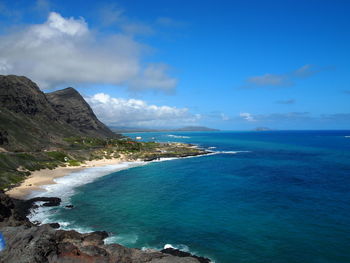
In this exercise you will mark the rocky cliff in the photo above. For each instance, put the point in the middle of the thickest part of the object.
(74, 110)
(31, 120)
(27, 243)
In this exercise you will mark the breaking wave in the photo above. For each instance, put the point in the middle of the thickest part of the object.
(178, 136)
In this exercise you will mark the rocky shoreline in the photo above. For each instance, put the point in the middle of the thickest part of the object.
(30, 243)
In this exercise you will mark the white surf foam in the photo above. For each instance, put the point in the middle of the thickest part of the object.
(123, 239)
(178, 136)
(230, 152)
(64, 186)
(181, 247)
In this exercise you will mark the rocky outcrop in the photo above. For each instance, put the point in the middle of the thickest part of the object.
(31, 120)
(179, 253)
(28, 243)
(10, 213)
(45, 244)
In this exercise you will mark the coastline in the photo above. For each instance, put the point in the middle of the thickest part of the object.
(44, 177)
(41, 180)
(47, 177)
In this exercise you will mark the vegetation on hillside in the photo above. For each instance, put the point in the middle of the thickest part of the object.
(15, 166)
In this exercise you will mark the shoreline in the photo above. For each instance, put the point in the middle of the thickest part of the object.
(43, 177)
(47, 177)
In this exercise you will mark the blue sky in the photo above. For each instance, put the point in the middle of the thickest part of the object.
(226, 64)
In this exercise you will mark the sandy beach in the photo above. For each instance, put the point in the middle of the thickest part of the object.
(47, 176)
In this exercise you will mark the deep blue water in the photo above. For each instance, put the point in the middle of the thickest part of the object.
(284, 198)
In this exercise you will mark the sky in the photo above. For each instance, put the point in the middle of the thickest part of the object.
(232, 65)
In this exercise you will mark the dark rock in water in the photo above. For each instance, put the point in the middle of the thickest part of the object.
(49, 201)
(22, 207)
(69, 206)
(54, 225)
(179, 253)
(150, 159)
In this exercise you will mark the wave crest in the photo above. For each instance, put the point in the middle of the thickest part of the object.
(178, 136)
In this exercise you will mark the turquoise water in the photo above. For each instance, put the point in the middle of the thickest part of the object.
(282, 197)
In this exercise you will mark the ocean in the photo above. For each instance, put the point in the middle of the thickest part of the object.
(272, 196)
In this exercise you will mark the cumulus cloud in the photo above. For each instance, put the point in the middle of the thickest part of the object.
(138, 113)
(281, 80)
(66, 51)
(247, 116)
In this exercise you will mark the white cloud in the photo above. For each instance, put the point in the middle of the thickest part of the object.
(65, 51)
(247, 116)
(137, 113)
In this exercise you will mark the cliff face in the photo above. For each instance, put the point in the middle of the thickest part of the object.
(31, 120)
(73, 109)
(21, 95)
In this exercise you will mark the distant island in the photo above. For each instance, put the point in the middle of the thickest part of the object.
(138, 129)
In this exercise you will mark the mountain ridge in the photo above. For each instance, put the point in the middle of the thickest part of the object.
(32, 120)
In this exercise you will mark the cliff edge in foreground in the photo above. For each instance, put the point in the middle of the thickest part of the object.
(28, 243)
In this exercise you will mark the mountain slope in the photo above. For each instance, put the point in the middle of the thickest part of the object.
(73, 109)
(31, 120)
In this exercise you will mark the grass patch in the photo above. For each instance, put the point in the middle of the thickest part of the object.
(74, 163)
(59, 156)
